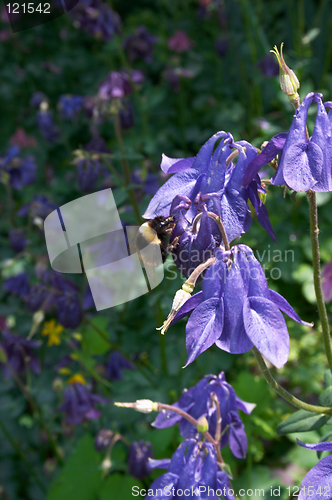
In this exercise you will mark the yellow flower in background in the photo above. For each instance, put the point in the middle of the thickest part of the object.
(53, 332)
(77, 378)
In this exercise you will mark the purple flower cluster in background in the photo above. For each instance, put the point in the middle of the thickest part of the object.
(80, 403)
(22, 170)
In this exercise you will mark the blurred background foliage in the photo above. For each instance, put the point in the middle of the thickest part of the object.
(227, 82)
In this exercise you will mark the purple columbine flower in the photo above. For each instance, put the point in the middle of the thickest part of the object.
(198, 401)
(19, 354)
(140, 45)
(103, 439)
(115, 364)
(138, 459)
(210, 178)
(194, 469)
(238, 310)
(70, 105)
(79, 404)
(69, 311)
(87, 174)
(318, 481)
(21, 170)
(118, 84)
(304, 164)
(17, 285)
(17, 239)
(180, 42)
(40, 206)
(46, 124)
(97, 19)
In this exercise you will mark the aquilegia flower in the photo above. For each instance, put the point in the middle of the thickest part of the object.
(305, 163)
(17, 285)
(97, 19)
(115, 364)
(21, 169)
(237, 310)
(79, 404)
(19, 351)
(318, 481)
(211, 178)
(138, 459)
(198, 401)
(17, 239)
(140, 45)
(193, 471)
(70, 105)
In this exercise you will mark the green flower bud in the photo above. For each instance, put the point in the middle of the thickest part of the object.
(202, 424)
(289, 82)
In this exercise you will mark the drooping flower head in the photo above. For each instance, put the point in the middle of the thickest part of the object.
(21, 169)
(192, 471)
(140, 45)
(97, 19)
(17, 239)
(199, 400)
(305, 162)
(138, 459)
(19, 352)
(319, 478)
(115, 364)
(79, 403)
(70, 105)
(237, 310)
(210, 181)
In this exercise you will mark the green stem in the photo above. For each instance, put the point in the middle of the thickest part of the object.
(37, 411)
(282, 392)
(22, 457)
(314, 231)
(126, 169)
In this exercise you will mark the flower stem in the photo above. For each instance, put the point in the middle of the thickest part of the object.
(314, 231)
(282, 392)
(126, 169)
(184, 414)
(37, 411)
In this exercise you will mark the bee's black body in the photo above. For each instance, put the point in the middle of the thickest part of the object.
(155, 232)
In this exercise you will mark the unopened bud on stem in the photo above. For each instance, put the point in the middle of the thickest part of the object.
(289, 82)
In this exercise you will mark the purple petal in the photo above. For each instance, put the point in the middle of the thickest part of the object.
(303, 164)
(273, 147)
(188, 306)
(172, 165)
(163, 463)
(165, 483)
(204, 327)
(238, 441)
(266, 328)
(285, 307)
(234, 210)
(260, 209)
(183, 182)
(244, 406)
(318, 479)
(324, 446)
(321, 136)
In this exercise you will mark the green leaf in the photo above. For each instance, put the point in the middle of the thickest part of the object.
(81, 474)
(266, 430)
(327, 379)
(124, 486)
(302, 421)
(93, 342)
(325, 398)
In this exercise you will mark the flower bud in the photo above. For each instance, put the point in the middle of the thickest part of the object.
(106, 464)
(141, 405)
(57, 384)
(103, 439)
(202, 424)
(289, 82)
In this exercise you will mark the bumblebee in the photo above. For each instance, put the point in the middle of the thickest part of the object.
(155, 234)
